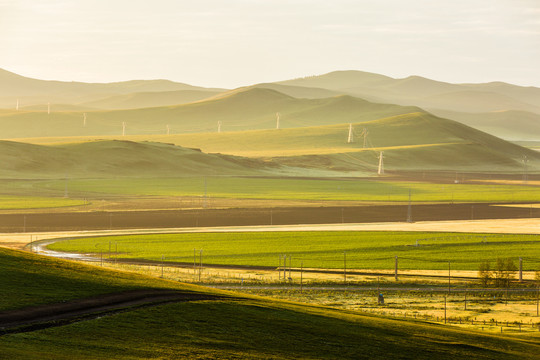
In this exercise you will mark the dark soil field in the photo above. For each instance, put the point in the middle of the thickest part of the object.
(33, 222)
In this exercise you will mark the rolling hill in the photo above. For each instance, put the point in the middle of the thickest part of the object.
(426, 93)
(112, 158)
(34, 92)
(415, 141)
(245, 109)
(509, 125)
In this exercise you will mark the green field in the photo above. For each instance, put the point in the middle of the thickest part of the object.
(235, 328)
(364, 250)
(27, 202)
(299, 189)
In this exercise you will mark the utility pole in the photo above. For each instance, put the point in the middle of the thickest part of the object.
(204, 203)
(123, 128)
(200, 264)
(445, 309)
(162, 266)
(395, 268)
(168, 130)
(350, 138)
(380, 171)
(525, 161)
(84, 120)
(409, 209)
(17, 106)
(466, 295)
(345, 267)
(278, 115)
(66, 188)
(219, 126)
(48, 108)
(449, 277)
(520, 269)
(279, 268)
(301, 275)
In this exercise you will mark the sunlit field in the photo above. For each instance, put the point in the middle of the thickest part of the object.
(361, 250)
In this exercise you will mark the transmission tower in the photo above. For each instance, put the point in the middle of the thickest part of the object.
(278, 115)
(381, 165)
(84, 120)
(350, 138)
(123, 128)
(365, 133)
(219, 126)
(17, 106)
(48, 108)
(168, 129)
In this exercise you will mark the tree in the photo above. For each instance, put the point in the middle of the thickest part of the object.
(505, 271)
(484, 273)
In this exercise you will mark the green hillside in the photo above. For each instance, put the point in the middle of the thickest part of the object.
(249, 109)
(239, 327)
(414, 141)
(117, 158)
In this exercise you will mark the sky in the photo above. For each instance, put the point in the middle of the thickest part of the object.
(232, 43)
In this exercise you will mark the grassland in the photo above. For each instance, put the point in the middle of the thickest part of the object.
(297, 189)
(364, 250)
(28, 202)
(29, 280)
(242, 327)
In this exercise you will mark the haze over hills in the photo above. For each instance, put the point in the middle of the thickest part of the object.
(33, 91)
(249, 109)
(510, 125)
(426, 93)
(313, 117)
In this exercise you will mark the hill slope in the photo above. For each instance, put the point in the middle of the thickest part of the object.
(253, 108)
(33, 91)
(510, 125)
(414, 141)
(239, 327)
(427, 93)
(117, 158)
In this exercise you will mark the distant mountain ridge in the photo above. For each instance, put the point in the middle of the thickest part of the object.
(33, 91)
(426, 93)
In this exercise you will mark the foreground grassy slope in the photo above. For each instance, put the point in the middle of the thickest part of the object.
(365, 250)
(29, 280)
(236, 328)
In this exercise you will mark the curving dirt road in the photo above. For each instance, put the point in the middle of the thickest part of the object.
(50, 315)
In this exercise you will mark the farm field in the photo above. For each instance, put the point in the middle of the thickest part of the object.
(327, 250)
(296, 189)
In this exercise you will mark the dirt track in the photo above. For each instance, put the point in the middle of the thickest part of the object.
(39, 317)
(40, 222)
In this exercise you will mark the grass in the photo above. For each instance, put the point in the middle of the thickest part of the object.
(28, 202)
(364, 250)
(298, 189)
(243, 327)
(258, 330)
(29, 279)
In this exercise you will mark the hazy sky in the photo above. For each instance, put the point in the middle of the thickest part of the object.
(229, 43)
